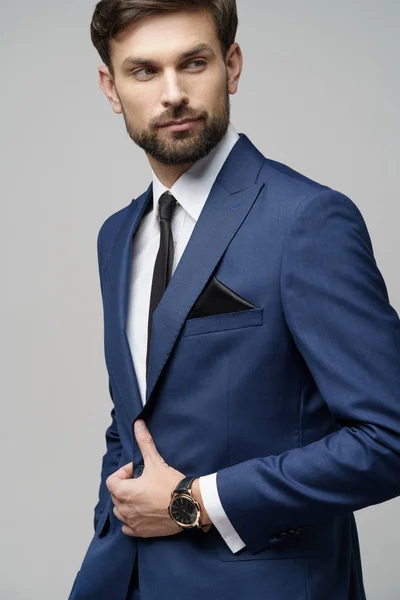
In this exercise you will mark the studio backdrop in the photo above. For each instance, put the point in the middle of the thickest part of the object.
(319, 92)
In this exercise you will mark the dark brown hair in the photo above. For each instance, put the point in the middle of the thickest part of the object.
(111, 17)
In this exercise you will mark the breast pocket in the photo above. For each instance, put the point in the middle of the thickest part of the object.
(224, 322)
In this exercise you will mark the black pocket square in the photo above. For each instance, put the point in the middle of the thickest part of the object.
(217, 298)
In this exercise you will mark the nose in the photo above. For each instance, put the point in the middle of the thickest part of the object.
(173, 94)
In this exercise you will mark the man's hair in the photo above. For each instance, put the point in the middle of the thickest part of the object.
(111, 17)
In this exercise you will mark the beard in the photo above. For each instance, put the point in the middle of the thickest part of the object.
(181, 147)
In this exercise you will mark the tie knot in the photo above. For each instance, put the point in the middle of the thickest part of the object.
(166, 205)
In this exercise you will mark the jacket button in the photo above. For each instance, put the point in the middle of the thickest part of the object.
(138, 470)
(284, 535)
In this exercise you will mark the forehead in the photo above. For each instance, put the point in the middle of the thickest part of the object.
(165, 36)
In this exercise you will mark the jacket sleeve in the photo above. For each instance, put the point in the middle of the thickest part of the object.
(111, 458)
(337, 310)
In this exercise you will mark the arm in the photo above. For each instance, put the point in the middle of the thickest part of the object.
(337, 309)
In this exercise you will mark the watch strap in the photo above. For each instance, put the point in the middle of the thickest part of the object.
(184, 485)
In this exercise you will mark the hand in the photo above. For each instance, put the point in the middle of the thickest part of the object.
(142, 503)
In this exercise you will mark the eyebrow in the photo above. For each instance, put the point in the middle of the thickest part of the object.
(135, 60)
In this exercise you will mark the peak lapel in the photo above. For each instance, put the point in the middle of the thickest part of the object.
(231, 197)
(118, 353)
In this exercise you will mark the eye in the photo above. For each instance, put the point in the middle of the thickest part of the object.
(200, 62)
(136, 73)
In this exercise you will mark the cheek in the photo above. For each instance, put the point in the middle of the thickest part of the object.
(210, 93)
(137, 100)
(139, 110)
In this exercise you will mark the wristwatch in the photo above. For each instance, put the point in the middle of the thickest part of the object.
(183, 508)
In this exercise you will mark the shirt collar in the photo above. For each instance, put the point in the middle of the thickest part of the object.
(193, 187)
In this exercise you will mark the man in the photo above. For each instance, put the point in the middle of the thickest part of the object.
(252, 352)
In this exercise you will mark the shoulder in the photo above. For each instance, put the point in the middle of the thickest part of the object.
(287, 184)
(110, 228)
(300, 198)
(113, 223)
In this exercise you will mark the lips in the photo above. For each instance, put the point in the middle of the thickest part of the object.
(180, 125)
(178, 122)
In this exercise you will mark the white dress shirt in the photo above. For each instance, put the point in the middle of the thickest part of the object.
(191, 191)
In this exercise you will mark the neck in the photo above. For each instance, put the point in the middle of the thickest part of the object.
(167, 174)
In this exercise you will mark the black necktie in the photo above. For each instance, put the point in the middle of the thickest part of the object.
(163, 265)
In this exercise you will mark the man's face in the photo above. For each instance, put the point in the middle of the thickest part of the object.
(154, 83)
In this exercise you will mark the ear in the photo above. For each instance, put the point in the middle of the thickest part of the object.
(234, 65)
(107, 84)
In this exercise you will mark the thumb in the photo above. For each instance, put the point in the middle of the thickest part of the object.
(146, 443)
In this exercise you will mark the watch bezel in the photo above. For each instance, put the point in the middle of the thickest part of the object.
(193, 501)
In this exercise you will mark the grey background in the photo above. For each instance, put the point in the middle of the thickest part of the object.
(319, 92)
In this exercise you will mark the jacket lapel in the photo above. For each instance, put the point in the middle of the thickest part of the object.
(219, 220)
(231, 197)
(117, 349)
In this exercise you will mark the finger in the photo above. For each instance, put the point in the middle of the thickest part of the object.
(117, 514)
(127, 530)
(118, 486)
(124, 472)
(146, 443)
(112, 484)
(115, 500)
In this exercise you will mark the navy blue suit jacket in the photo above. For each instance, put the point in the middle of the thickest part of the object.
(295, 403)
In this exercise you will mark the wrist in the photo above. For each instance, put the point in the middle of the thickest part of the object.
(196, 493)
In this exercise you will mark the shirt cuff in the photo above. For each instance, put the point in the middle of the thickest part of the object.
(213, 506)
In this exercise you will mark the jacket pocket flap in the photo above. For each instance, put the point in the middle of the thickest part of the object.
(224, 321)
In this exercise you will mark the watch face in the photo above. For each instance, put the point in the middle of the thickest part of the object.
(184, 510)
